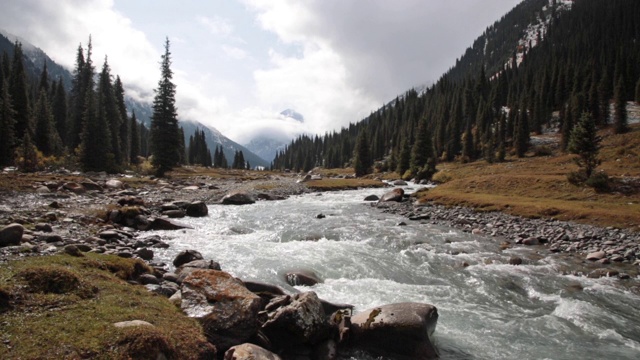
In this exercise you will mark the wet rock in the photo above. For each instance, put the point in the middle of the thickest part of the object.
(144, 254)
(91, 186)
(302, 278)
(237, 198)
(174, 214)
(125, 254)
(259, 288)
(531, 241)
(514, 260)
(330, 308)
(55, 205)
(166, 224)
(297, 320)
(249, 352)
(595, 256)
(321, 216)
(399, 183)
(11, 235)
(131, 201)
(50, 238)
(598, 273)
(197, 209)
(146, 279)
(43, 190)
(403, 329)
(372, 198)
(227, 310)
(74, 188)
(201, 264)
(393, 195)
(186, 256)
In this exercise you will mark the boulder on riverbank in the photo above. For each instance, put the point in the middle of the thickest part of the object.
(393, 195)
(11, 235)
(249, 352)
(227, 310)
(237, 198)
(403, 329)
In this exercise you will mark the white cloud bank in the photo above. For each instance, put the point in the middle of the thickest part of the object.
(333, 61)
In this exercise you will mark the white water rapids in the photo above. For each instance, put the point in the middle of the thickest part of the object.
(488, 310)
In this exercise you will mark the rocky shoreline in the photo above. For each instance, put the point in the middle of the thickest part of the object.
(603, 251)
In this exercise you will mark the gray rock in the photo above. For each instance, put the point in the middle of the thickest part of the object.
(227, 311)
(531, 241)
(114, 184)
(166, 224)
(403, 329)
(393, 195)
(201, 264)
(186, 256)
(73, 250)
(132, 323)
(197, 209)
(302, 278)
(144, 254)
(146, 279)
(91, 186)
(11, 235)
(237, 198)
(50, 238)
(372, 198)
(514, 260)
(174, 214)
(595, 256)
(399, 183)
(74, 188)
(249, 352)
(295, 321)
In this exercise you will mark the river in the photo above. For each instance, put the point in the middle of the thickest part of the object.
(488, 310)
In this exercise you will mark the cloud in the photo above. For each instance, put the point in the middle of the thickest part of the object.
(253, 122)
(357, 55)
(233, 52)
(216, 25)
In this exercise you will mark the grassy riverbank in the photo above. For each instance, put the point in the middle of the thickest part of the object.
(66, 307)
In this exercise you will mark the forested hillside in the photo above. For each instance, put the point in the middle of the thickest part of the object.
(505, 87)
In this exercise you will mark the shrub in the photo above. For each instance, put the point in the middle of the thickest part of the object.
(577, 177)
(599, 181)
(542, 150)
(56, 280)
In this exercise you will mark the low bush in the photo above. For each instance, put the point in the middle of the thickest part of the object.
(441, 177)
(599, 181)
(577, 177)
(542, 150)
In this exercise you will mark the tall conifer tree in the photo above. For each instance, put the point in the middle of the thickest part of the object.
(165, 145)
(621, 123)
(19, 93)
(134, 137)
(7, 121)
(362, 160)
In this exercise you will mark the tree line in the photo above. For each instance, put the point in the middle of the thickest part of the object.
(587, 61)
(87, 127)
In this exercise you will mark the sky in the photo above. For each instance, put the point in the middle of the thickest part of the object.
(238, 63)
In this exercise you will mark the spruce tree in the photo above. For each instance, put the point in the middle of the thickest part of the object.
(404, 159)
(134, 137)
(82, 79)
(620, 120)
(362, 160)
(165, 144)
(28, 154)
(638, 92)
(125, 126)
(112, 115)
(422, 162)
(46, 136)
(585, 142)
(7, 121)
(59, 109)
(19, 93)
(521, 137)
(95, 146)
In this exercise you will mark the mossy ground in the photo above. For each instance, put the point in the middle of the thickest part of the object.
(65, 307)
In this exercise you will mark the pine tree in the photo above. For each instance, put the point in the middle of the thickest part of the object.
(82, 79)
(7, 121)
(164, 122)
(362, 160)
(95, 145)
(620, 121)
(585, 142)
(404, 159)
(59, 109)
(46, 137)
(134, 138)
(125, 126)
(109, 108)
(422, 162)
(19, 94)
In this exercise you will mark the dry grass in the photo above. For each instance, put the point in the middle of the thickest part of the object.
(538, 186)
(343, 184)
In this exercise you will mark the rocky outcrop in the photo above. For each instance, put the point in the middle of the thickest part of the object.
(227, 311)
(403, 329)
(249, 352)
(11, 235)
(237, 198)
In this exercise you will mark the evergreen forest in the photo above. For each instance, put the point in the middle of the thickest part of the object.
(584, 61)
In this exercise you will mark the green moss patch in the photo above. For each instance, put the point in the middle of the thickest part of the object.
(65, 307)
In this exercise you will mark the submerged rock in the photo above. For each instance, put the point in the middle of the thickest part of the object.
(302, 278)
(403, 329)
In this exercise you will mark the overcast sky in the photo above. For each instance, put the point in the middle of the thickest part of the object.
(239, 63)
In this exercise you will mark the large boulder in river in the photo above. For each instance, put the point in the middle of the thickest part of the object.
(393, 195)
(11, 235)
(249, 352)
(237, 198)
(403, 329)
(296, 321)
(197, 209)
(227, 311)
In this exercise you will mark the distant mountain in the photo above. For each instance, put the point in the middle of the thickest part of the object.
(34, 62)
(292, 114)
(267, 146)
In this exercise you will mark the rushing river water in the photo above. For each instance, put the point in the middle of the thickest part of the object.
(488, 310)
